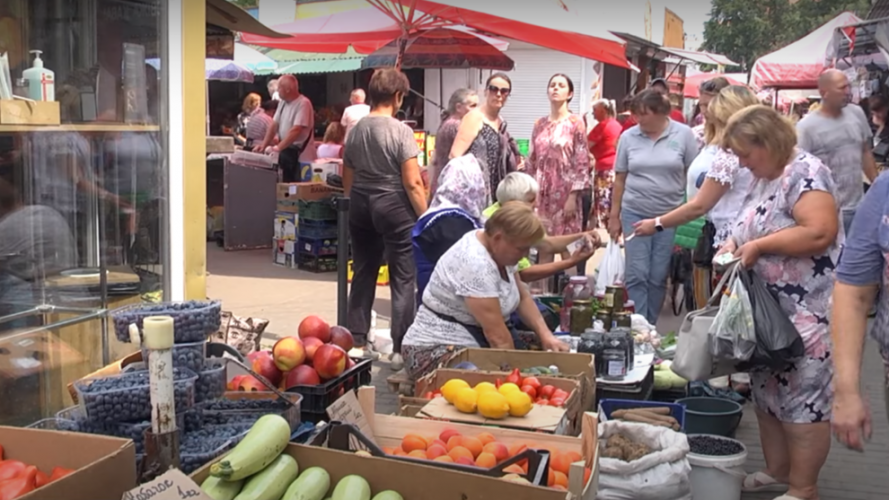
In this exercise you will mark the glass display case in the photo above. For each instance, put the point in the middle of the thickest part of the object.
(83, 216)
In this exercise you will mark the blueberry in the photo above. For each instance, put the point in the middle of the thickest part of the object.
(211, 382)
(127, 398)
(714, 446)
(193, 321)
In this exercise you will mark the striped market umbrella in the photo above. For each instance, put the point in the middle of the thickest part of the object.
(440, 48)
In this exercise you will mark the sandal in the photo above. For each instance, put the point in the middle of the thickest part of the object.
(760, 481)
(787, 497)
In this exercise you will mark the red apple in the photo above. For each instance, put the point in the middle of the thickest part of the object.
(250, 384)
(342, 337)
(301, 375)
(234, 382)
(311, 344)
(263, 364)
(288, 353)
(330, 361)
(313, 326)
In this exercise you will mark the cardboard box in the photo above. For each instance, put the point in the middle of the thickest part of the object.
(18, 112)
(284, 253)
(308, 191)
(564, 421)
(105, 466)
(577, 366)
(285, 225)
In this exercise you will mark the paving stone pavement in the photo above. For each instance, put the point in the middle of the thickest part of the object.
(250, 285)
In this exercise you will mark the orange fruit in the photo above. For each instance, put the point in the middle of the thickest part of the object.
(486, 437)
(436, 451)
(499, 450)
(587, 472)
(429, 440)
(459, 451)
(465, 461)
(486, 460)
(573, 456)
(515, 450)
(560, 462)
(447, 434)
(418, 454)
(454, 442)
(443, 444)
(472, 444)
(444, 458)
(513, 469)
(560, 479)
(550, 476)
(388, 450)
(413, 442)
(399, 452)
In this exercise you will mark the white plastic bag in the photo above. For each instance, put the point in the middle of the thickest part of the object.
(732, 334)
(660, 475)
(611, 269)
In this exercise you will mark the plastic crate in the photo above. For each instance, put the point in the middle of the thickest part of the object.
(317, 398)
(191, 355)
(131, 402)
(211, 381)
(382, 277)
(55, 424)
(136, 430)
(319, 210)
(317, 247)
(608, 406)
(307, 228)
(315, 264)
(228, 408)
(75, 417)
(193, 321)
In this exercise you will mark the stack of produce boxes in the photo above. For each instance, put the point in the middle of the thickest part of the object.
(316, 235)
(290, 196)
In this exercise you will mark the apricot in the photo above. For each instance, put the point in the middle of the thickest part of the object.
(454, 442)
(515, 450)
(499, 450)
(485, 460)
(458, 451)
(399, 452)
(573, 456)
(444, 458)
(447, 434)
(587, 472)
(418, 454)
(560, 479)
(436, 451)
(560, 462)
(472, 444)
(465, 461)
(513, 469)
(413, 442)
(486, 437)
(559, 487)
(443, 444)
(550, 476)
(429, 440)
(388, 450)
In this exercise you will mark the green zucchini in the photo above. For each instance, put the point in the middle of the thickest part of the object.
(352, 488)
(312, 484)
(266, 440)
(388, 495)
(220, 489)
(271, 482)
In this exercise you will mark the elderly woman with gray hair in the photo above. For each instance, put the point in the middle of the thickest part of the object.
(461, 102)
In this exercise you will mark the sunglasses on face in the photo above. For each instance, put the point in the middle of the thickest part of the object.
(498, 90)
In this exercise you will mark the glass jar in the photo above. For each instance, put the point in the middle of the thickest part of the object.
(630, 343)
(581, 316)
(592, 341)
(615, 361)
(630, 307)
(577, 288)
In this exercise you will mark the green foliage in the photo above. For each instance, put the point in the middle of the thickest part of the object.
(744, 30)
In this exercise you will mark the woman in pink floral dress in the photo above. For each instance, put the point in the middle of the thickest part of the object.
(788, 232)
(560, 162)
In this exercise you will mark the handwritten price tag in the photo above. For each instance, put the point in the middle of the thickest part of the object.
(348, 410)
(172, 485)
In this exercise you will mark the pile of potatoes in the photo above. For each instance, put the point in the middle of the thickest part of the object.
(622, 448)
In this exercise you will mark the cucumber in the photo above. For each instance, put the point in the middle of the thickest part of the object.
(312, 484)
(266, 440)
(352, 488)
(220, 489)
(388, 495)
(271, 482)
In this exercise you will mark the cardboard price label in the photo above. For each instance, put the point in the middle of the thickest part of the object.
(348, 410)
(172, 485)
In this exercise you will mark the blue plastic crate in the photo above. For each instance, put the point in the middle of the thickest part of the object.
(608, 406)
(317, 247)
(314, 229)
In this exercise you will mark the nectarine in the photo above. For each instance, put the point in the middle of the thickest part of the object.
(263, 363)
(459, 451)
(342, 337)
(434, 451)
(412, 442)
(288, 353)
(330, 361)
(499, 450)
(313, 326)
(311, 344)
(301, 375)
(447, 434)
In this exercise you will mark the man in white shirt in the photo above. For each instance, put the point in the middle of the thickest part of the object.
(294, 127)
(356, 111)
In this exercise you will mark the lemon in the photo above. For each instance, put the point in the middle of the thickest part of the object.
(466, 400)
(451, 387)
(485, 387)
(519, 403)
(493, 405)
(508, 388)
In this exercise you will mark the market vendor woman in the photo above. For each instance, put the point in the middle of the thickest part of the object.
(473, 291)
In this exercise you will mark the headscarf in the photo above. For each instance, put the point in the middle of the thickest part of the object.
(461, 185)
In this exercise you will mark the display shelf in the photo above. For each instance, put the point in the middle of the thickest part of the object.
(78, 127)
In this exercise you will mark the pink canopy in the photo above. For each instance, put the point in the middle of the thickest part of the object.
(693, 82)
(798, 65)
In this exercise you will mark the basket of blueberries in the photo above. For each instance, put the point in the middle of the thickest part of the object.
(193, 320)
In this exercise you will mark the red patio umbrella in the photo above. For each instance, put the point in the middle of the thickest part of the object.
(441, 48)
(692, 83)
(366, 30)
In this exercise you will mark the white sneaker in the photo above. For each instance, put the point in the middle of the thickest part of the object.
(396, 361)
(364, 352)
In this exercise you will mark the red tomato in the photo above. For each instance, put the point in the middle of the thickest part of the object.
(11, 468)
(515, 377)
(42, 478)
(532, 381)
(20, 485)
(557, 402)
(559, 393)
(546, 391)
(527, 389)
(59, 473)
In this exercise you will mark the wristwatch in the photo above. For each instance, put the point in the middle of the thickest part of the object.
(658, 225)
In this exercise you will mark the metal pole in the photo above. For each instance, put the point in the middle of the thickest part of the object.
(342, 273)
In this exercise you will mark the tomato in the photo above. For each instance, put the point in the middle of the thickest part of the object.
(498, 383)
(42, 478)
(557, 402)
(546, 391)
(429, 395)
(59, 473)
(532, 381)
(515, 377)
(11, 468)
(20, 485)
(527, 389)
(559, 393)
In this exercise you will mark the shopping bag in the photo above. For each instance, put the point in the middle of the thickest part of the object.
(778, 343)
(732, 333)
(693, 360)
(611, 269)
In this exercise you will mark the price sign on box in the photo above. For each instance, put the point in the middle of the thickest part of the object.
(172, 485)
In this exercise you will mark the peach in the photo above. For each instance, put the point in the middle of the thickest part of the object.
(444, 458)
(464, 461)
(311, 344)
(486, 460)
(434, 451)
(447, 434)
(329, 361)
(454, 442)
(251, 384)
(388, 450)
(313, 326)
(413, 442)
(473, 445)
(418, 454)
(301, 375)
(486, 437)
(560, 479)
(288, 353)
(499, 450)
(263, 364)
(513, 469)
(458, 451)
(342, 337)
(441, 443)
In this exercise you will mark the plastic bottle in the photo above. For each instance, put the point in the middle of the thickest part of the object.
(577, 288)
(41, 81)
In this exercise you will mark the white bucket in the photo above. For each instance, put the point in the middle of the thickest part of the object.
(717, 478)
